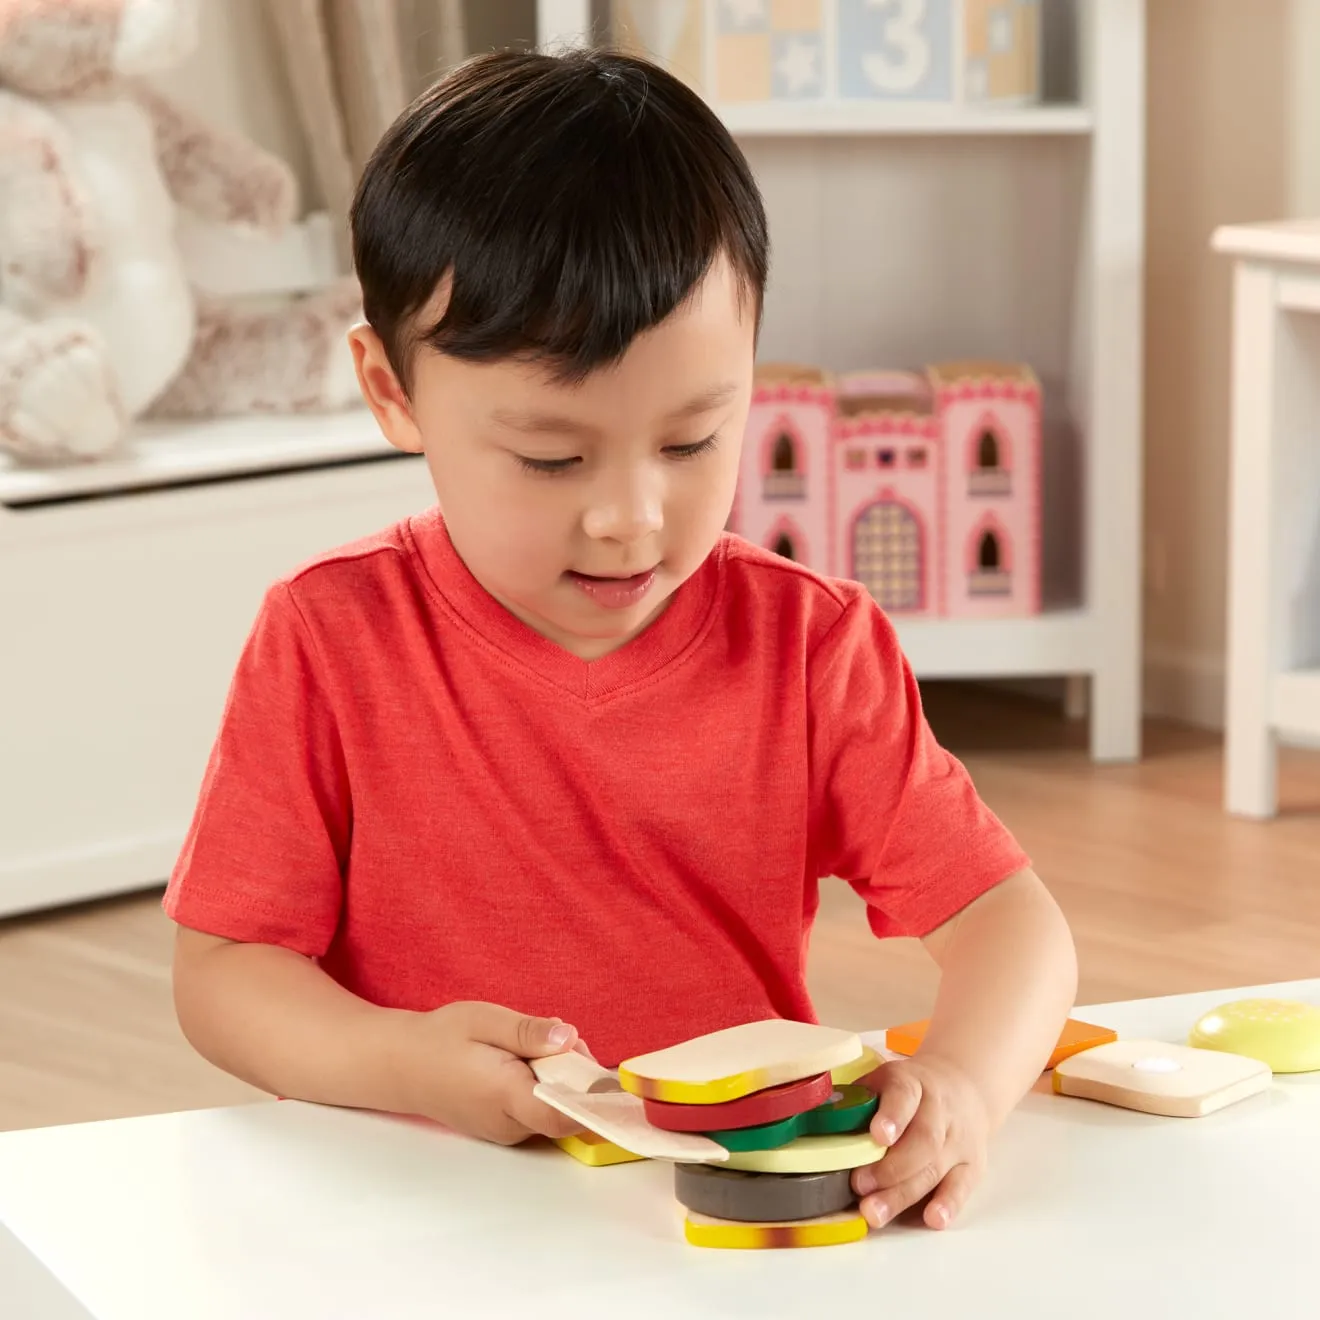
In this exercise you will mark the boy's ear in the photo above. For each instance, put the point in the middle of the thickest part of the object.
(382, 391)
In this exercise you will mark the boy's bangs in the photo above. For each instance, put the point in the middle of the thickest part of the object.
(561, 207)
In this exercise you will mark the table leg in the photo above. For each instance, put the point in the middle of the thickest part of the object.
(1250, 754)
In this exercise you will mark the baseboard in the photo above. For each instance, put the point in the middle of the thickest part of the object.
(1186, 686)
(101, 870)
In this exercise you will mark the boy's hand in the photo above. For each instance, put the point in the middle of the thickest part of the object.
(936, 1126)
(464, 1066)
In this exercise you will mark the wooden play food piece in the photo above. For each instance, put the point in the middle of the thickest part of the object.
(729, 1064)
(828, 1231)
(810, 1155)
(1154, 1077)
(862, 1066)
(1281, 1033)
(769, 1106)
(1073, 1039)
(848, 1110)
(758, 1198)
(566, 1082)
(592, 1149)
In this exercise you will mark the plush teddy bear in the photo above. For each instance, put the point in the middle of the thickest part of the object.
(101, 319)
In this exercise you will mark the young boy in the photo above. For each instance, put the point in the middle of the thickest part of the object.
(562, 767)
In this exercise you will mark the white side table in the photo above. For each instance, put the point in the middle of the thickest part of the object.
(1274, 545)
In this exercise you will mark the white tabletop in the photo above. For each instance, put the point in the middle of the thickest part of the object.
(282, 1211)
(1276, 240)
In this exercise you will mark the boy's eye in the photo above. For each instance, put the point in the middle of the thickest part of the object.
(547, 467)
(691, 451)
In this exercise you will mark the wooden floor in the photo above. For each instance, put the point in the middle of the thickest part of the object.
(1164, 892)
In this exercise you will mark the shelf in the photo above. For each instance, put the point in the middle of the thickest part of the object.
(1054, 643)
(795, 119)
(176, 453)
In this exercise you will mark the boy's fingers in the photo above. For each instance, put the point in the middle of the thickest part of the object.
(883, 1206)
(537, 1116)
(521, 1035)
(950, 1196)
(900, 1096)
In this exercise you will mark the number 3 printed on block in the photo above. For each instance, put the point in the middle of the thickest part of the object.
(907, 61)
(896, 50)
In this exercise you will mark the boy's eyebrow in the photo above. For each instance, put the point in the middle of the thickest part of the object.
(554, 424)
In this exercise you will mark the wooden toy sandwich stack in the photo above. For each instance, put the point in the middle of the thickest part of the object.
(780, 1102)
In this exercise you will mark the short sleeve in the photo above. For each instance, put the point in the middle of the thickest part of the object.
(893, 813)
(265, 854)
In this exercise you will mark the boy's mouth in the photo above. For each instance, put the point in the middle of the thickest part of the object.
(614, 593)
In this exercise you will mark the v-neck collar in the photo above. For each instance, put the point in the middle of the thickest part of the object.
(672, 635)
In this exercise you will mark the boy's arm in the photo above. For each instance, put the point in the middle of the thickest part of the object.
(273, 1018)
(1008, 982)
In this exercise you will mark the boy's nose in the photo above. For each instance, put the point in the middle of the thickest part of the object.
(625, 516)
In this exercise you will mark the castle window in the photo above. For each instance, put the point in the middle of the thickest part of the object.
(785, 459)
(916, 456)
(784, 477)
(855, 459)
(784, 546)
(989, 473)
(885, 457)
(990, 575)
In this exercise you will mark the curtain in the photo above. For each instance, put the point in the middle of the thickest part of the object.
(353, 65)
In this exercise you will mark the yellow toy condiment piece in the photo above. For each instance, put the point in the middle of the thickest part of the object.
(845, 1150)
(1282, 1033)
(848, 1073)
(828, 1231)
(594, 1151)
(729, 1064)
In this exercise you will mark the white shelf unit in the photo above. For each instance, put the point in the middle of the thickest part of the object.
(907, 234)
(127, 588)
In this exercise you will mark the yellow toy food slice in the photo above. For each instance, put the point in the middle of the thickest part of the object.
(863, 1066)
(1281, 1033)
(727, 1065)
(595, 1151)
(828, 1231)
(848, 1150)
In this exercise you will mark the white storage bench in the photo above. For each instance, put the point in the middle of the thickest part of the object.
(126, 591)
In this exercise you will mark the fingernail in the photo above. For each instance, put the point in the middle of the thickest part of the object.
(940, 1215)
(560, 1036)
(876, 1213)
(865, 1183)
(888, 1132)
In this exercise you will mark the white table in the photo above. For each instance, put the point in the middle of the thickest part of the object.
(284, 1211)
(1273, 676)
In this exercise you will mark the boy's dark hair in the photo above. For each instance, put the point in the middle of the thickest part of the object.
(574, 201)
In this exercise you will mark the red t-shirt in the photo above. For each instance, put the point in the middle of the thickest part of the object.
(439, 804)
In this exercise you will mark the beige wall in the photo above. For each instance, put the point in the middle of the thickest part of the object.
(1234, 135)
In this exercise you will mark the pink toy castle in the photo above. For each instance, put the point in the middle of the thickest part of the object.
(922, 486)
